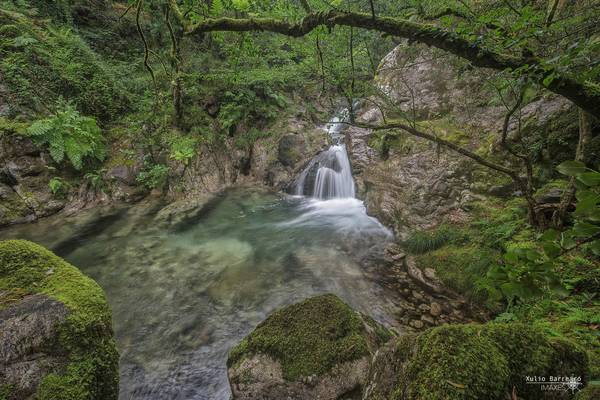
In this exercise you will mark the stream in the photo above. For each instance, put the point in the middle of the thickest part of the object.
(183, 296)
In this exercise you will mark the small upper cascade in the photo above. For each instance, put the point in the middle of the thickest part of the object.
(329, 175)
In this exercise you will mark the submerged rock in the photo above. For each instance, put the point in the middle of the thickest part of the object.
(488, 361)
(179, 213)
(316, 349)
(56, 339)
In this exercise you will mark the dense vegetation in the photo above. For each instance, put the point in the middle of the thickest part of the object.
(97, 83)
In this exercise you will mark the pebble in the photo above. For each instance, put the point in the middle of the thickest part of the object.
(423, 307)
(435, 309)
(417, 295)
(417, 324)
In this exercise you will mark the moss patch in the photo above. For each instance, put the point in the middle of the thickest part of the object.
(27, 268)
(483, 362)
(459, 267)
(311, 337)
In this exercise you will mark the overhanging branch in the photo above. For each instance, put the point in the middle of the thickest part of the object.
(427, 34)
(433, 138)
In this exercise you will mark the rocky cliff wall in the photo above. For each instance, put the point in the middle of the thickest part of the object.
(410, 183)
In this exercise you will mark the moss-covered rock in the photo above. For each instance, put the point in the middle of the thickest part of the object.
(50, 309)
(318, 348)
(473, 362)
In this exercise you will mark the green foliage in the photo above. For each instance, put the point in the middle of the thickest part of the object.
(71, 134)
(246, 140)
(530, 270)
(247, 105)
(462, 267)
(420, 242)
(183, 149)
(40, 62)
(525, 273)
(501, 223)
(586, 227)
(58, 186)
(153, 175)
(11, 127)
(96, 179)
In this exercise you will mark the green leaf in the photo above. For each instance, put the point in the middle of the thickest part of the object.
(551, 249)
(533, 255)
(548, 79)
(587, 194)
(567, 240)
(584, 229)
(550, 235)
(571, 168)
(590, 178)
(511, 257)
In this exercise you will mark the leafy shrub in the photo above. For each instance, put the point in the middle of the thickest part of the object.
(183, 149)
(71, 134)
(58, 186)
(153, 175)
(96, 179)
(529, 269)
(40, 63)
(246, 105)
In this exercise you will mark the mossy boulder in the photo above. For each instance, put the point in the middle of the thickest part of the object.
(489, 361)
(316, 349)
(56, 339)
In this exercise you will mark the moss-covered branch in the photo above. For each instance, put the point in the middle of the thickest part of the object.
(433, 138)
(423, 33)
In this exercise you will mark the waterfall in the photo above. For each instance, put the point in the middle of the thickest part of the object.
(329, 175)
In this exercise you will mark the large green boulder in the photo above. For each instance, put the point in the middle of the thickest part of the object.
(56, 338)
(316, 349)
(489, 361)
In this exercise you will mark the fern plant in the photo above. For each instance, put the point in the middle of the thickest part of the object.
(67, 133)
(58, 186)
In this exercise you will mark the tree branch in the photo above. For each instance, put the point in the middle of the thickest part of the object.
(146, 49)
(580, 243)
(431, 35)
(433, 138)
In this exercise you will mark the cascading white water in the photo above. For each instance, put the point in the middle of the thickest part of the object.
(329, 174)
(330, 183)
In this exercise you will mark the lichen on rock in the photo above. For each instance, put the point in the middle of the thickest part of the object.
(318, 348)
(51, 310)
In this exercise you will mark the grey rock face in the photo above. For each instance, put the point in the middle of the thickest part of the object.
(261, 377)
(24, 181)
(290, 149)
(415, 184)
(28, 333)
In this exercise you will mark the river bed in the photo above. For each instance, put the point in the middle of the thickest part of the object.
(183, 295)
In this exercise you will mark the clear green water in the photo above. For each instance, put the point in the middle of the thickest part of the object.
(182, 297)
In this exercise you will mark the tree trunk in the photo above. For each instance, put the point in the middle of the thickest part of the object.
(581, 154)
